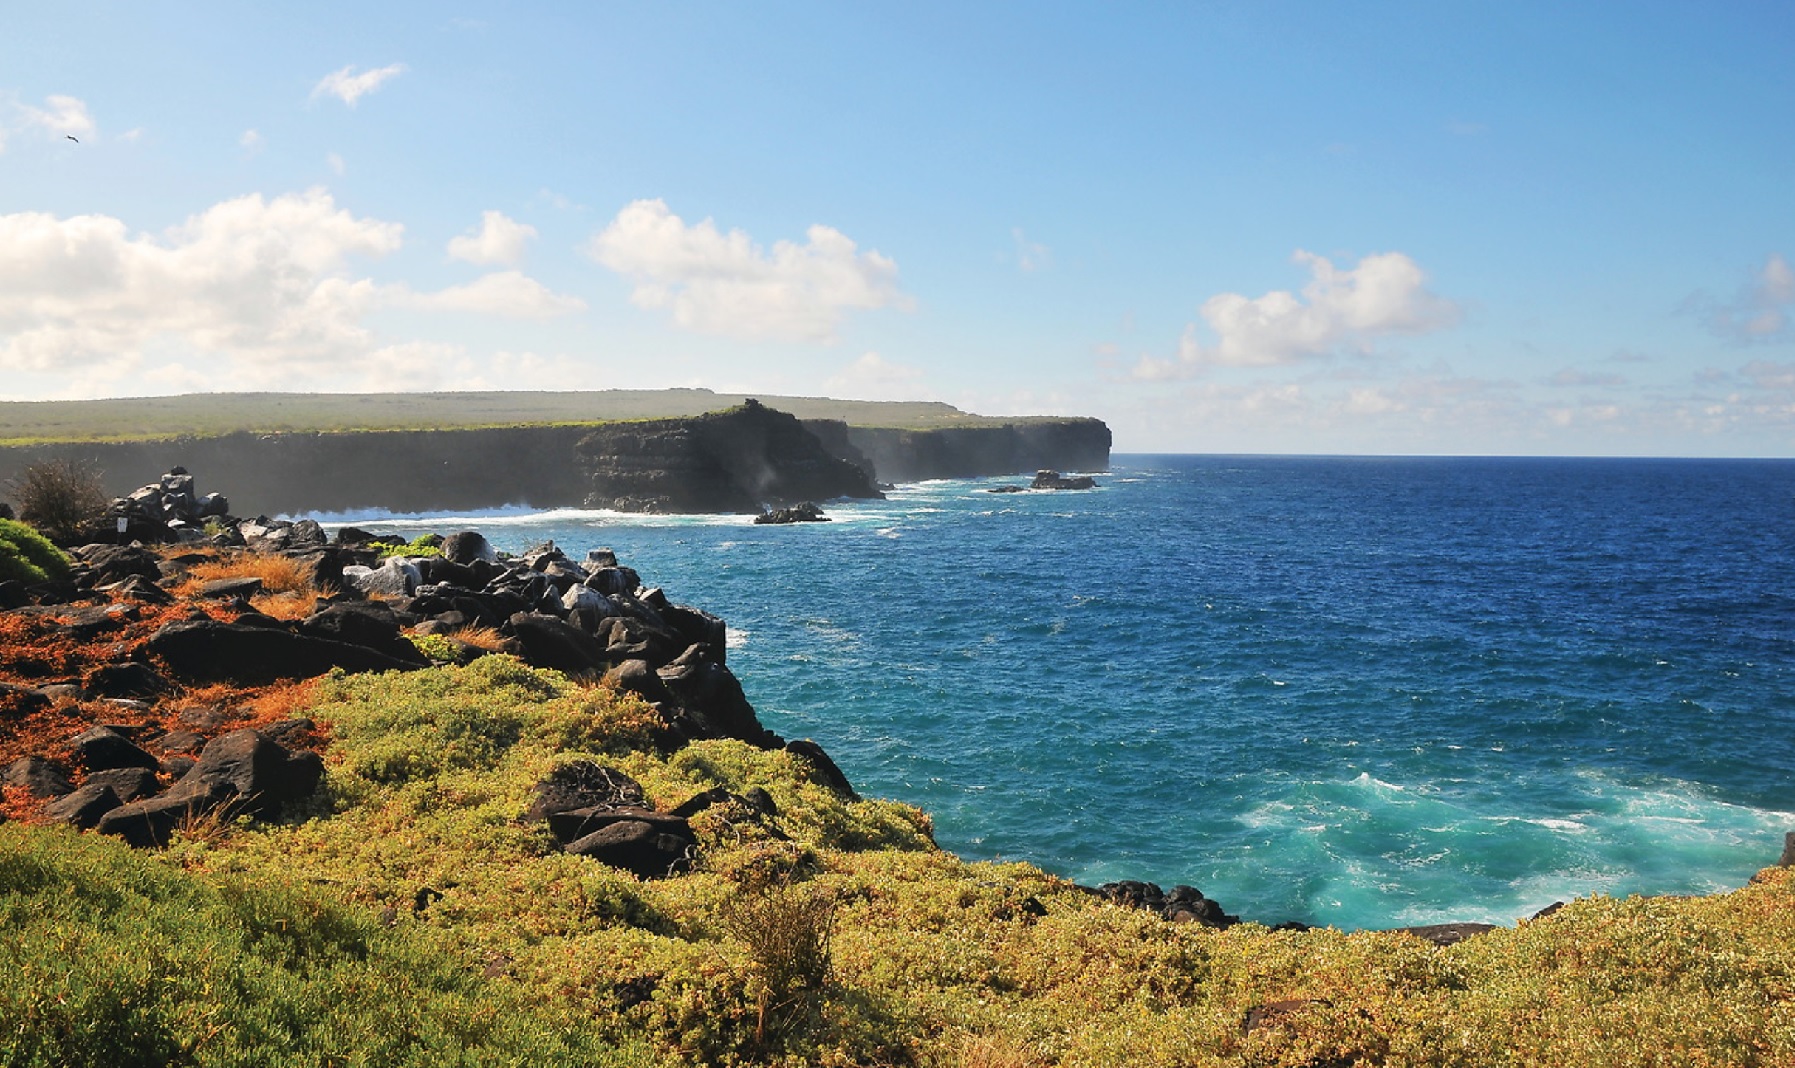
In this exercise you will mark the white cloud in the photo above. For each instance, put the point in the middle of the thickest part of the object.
(510, 294)
(60, 117)
(872, 377)
(500, 239)
(335, 163)
(720, 283)
(252, 291)
(251, 141)
(1384, 294)
(1031, 255)
(350, 87)
(1761, 312)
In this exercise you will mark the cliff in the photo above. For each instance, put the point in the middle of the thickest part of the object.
(900, 455)
(672, 464)
(740, 460)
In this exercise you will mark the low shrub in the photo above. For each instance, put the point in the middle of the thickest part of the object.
(59, 497)
(27, 555)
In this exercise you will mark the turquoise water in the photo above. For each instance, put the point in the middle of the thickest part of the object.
(1359, 692)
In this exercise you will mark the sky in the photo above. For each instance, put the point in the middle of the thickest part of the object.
(1367, 228)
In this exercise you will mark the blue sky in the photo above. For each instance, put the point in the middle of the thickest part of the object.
(1253, 227)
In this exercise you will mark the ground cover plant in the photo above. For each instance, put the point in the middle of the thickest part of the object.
(27, 556)
(412, 914)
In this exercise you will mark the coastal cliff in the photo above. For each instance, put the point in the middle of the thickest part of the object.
(688, 463)
(740, 460)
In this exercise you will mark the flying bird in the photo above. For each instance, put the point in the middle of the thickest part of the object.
(73, 138)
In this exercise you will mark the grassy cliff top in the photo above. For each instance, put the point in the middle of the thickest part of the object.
(209, 414)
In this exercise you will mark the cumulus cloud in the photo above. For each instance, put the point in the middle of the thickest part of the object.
(250, 290)
(251, 141)
(1759, 313)
(350, 87)
(873, 377)
(500, 239)
(724, 283)
(1384, 294)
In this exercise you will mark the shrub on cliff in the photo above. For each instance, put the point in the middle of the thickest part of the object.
(59, 497)
(27, 556)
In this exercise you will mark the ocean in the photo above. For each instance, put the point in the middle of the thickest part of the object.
(1358, 692)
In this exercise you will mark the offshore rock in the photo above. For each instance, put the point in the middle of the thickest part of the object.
(1052, 480)
(806, 512)
(730, 461)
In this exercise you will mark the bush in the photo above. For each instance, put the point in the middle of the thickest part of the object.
(787, 930)
(59, 497)
(28, 556)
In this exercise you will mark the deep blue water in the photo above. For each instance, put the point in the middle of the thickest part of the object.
(1359, 692)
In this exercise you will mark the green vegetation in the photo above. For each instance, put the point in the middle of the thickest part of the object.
(422, 545)
(416, 917)
(27, 556)
(25, 423)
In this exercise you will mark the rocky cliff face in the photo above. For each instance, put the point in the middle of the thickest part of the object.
(718, 462)
(978, 451)
(740, 460)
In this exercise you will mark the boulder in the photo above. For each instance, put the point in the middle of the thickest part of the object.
(395, 578)
(551, 643)
(20, 700)
(709, 693)
(84, 807)
(583, 784)
(246, 765)
(128, 679)
(637, 847)
(245, 586)
(639, 678)
(468, 546)
(114, 563)
(572, 825)
(38, 777)
(587, 605)
(130, 784)
(150, 823)
(102, 748)
(698, 627)
(370, 624)
(204, 651)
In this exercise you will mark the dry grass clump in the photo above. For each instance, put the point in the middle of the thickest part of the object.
(279, 574)
(487, 638)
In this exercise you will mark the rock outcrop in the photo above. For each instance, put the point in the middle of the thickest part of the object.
(739, 460)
